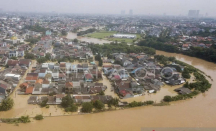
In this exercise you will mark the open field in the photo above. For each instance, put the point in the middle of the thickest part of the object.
(106, 34)
(101, 34)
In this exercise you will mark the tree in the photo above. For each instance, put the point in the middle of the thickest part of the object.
(167, 98)
(68, 104)
(98, 105)
(24, 119)
(113, 102)
(29, 56)
(64, 33)
(87, 107)
(38, 117)
(41, 60)
(13, 58)
(44, 102)
(71, 108)
(66, 101)
(101, 93)
(100, 63)
(48, 56)
(6, 104)
(75, 40)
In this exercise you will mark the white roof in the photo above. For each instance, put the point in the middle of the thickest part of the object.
(10, 75)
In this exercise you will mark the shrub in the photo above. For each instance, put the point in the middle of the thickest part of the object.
(6, 104)
(167, 98)
(98, 105)
(87, 107)
(38, 117)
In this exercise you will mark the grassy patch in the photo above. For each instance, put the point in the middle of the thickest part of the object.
(107, 34)
(101, 34)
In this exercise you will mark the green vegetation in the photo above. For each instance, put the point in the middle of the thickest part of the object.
(101, 34)
(41, 60)
(98, 105)
(44, 59)
(136, 104)
(98, 58)
(186, 73)
(113, 102)
(29, 56)
(22, 119)
(87, 107)
(86, 32)
(13, 58)
(180, 97)
(107, 34)
(64, 33)
(6, 104)
(38, 117)
(201, 83)
(44, 102)
(107, 49)
(32, 40)
(68, 104)
(36, 28)
(208, 54)
(102, 93)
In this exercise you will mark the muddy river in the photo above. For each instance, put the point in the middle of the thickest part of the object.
(197, 112)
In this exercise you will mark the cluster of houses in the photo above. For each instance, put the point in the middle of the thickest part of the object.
(10, 77)
(78, 51)
(59, 79)
(137, 73)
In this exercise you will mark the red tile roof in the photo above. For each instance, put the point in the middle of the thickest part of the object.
(29, 90)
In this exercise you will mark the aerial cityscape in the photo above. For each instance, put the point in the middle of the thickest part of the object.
(78, 70)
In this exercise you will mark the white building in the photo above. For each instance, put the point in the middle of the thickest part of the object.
(129, 36)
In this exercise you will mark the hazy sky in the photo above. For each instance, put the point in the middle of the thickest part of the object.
(170, 7)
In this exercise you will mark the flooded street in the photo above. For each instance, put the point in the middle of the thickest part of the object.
(197, 112)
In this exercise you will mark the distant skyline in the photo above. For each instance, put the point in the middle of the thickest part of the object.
(139, 7)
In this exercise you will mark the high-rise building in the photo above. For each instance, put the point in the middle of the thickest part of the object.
(123, 12)
(193, 13)
(131, 12)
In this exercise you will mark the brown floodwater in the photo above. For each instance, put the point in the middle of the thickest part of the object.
(197, 112)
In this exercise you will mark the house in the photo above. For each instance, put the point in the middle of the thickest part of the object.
(31, 77)
(48, 33)
(3, 61)
(59, 98)
(126, 62)
(13, 53)
(3, 92)
(183, 90)
(20, 52)
(105, 99)
(29, 90)
(88, 77)
(185, 47)
(82, 98)
(33, 100)
(12, 63)
(25, 62)
(68, 86)
(13, 76)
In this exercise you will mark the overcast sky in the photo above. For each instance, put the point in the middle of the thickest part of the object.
(159, 7)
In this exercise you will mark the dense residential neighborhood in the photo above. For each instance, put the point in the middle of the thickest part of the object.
(70, 61)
